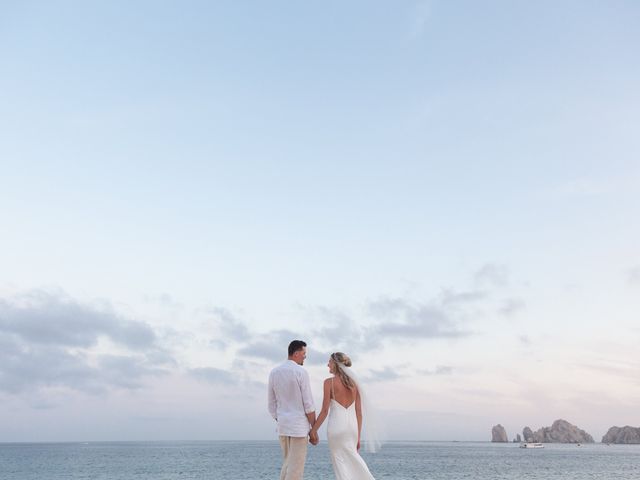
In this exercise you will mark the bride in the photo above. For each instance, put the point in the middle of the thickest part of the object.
(344, 403)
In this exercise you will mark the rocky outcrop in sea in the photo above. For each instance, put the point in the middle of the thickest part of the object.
(560, 431)
(499, 434)
(624, 434)
(527, 434)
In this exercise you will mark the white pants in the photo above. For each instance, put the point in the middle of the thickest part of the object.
(294, 454)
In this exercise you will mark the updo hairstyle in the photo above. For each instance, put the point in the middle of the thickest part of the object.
(342, 360)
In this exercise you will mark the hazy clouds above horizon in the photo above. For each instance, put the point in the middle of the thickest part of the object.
(447, 192)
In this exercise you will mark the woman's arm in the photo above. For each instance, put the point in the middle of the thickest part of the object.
(358, 416)
(325, 406)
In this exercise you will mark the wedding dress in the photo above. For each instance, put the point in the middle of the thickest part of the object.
(342, 436)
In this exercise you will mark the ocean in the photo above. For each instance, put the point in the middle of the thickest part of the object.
(219, 460)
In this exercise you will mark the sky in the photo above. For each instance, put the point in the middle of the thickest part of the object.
(448, 192)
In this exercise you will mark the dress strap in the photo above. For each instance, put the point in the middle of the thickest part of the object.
(333, 392)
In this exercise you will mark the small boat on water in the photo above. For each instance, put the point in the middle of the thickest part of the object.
(531, 445)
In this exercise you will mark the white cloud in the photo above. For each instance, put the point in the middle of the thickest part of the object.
(400, 319)
(453, 298)
(214, 375)
(53, 318)
(633, 276)
(228, 325)
(50, 340)
(385, 374)
(492, 275)
(511, 306)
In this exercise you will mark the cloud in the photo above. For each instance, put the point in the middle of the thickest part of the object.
(384, 375)
(271, 346)
(127, 371)
(164, 300)
(218, 344)
(387, 308)
(24, 368)
(265, 349)
(229, 326)
(28, 368)
(214, 375)
(383, 322)
(336, 327)
(396, 372)
(232, 332)
(438, 370)
(511, 306)
(492, 275)
(525, 340)
(333, 329)
(453, 298)
(47, 318)
(395, 319)
(633, 276)
(48, 340)
(402, 319)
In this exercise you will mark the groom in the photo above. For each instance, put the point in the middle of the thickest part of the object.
(291, 406)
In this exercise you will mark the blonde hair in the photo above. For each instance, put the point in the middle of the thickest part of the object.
(342, 360)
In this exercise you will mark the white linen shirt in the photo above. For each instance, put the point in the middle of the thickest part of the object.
(290, 399)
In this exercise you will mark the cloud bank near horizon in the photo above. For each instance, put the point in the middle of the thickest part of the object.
(50, 340)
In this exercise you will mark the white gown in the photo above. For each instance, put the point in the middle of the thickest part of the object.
(342, 437)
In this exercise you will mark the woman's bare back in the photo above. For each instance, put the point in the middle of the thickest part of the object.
(342, 394)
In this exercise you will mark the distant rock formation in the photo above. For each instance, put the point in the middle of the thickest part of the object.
(518, 439)
(560, 432)
(625, 434)
(527, 434)
(499, 434)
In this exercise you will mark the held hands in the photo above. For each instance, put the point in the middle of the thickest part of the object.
(313, 437)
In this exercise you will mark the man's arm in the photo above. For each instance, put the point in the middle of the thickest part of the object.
(307, 397)
(272, 404)
(312, 418)
(307, 402)
(313, 435)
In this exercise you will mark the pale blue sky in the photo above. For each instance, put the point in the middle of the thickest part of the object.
(206, 175)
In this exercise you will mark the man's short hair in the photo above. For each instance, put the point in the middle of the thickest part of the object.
(295, 346)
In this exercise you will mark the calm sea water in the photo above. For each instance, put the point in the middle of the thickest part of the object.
(261, 460)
